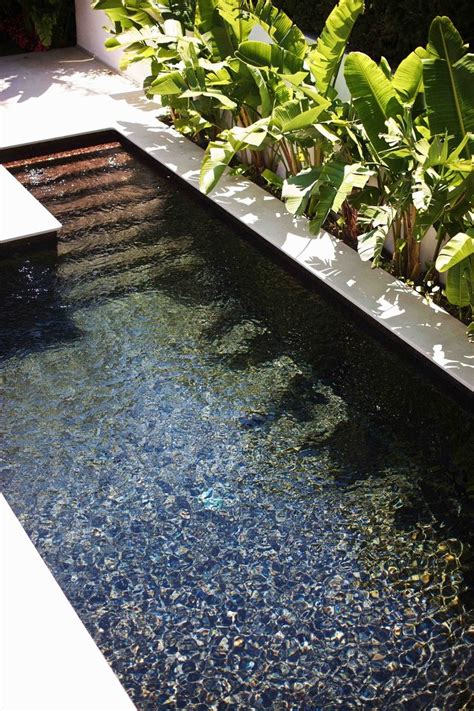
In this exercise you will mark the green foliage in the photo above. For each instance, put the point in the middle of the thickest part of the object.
(50, 21)
(417, 135)
(374, 96)
(220, 153)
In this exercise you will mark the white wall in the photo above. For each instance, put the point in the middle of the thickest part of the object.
(91, 37)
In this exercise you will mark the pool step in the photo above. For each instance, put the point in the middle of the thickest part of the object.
(23, 220)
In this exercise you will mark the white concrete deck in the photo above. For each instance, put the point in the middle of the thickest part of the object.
(50, 662)
(70, 93)
(22, 217)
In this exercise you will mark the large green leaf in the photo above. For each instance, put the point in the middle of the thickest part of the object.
(370, 244)
(137, 14)
(216, 31)
(331, 185)
(221, 99)
(408, 78)
(326, 57)
(444, 41)
(375, 99)
(260, 78)
(297, 190)
(134, 35)
(219, 153)
(280, 28)
(449, 96)
(261, 54)
(239, 22)
(336, 183)
(448, 75)
(295, 116)
(168, 84)
(460, 283)
(458, 248)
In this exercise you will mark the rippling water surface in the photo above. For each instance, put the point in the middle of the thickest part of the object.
(249, 501)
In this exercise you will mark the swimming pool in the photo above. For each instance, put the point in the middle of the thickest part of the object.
(249, 500)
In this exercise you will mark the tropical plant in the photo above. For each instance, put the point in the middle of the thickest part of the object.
(299, 119)
(389, 28)
(416, 125)
(271, 102)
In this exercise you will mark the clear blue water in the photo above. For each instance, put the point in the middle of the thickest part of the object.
(250, 502)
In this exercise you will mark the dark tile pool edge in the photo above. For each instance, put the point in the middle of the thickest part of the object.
(42, 239)
(443, 378)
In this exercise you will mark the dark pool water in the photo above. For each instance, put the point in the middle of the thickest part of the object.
(250, 502)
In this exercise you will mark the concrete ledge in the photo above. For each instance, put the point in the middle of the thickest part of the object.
(99, 100)
(50, 661)
(22, 218)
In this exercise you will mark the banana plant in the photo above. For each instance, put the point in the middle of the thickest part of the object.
(196, 73)
(294, 81)
(398, 156)
(321, 190)
(418, 141)
(456, 258)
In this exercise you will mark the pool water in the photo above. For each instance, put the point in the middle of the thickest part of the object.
(249, 500)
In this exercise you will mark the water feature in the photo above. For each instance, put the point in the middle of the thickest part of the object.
(250, 501)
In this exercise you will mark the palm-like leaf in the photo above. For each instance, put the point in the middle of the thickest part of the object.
(448, 76)
(457, 258)
(298, 189)
(167, 84)
(216, 31)
(448, 92)
(336, 183)
(261, 54)
(444, 41)
(408, 79)
(220, 153)
(370, 244)
(460, 283)
(280, 28)
(458, 248)
(326, 58)
(374, 97)
(296, 116)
